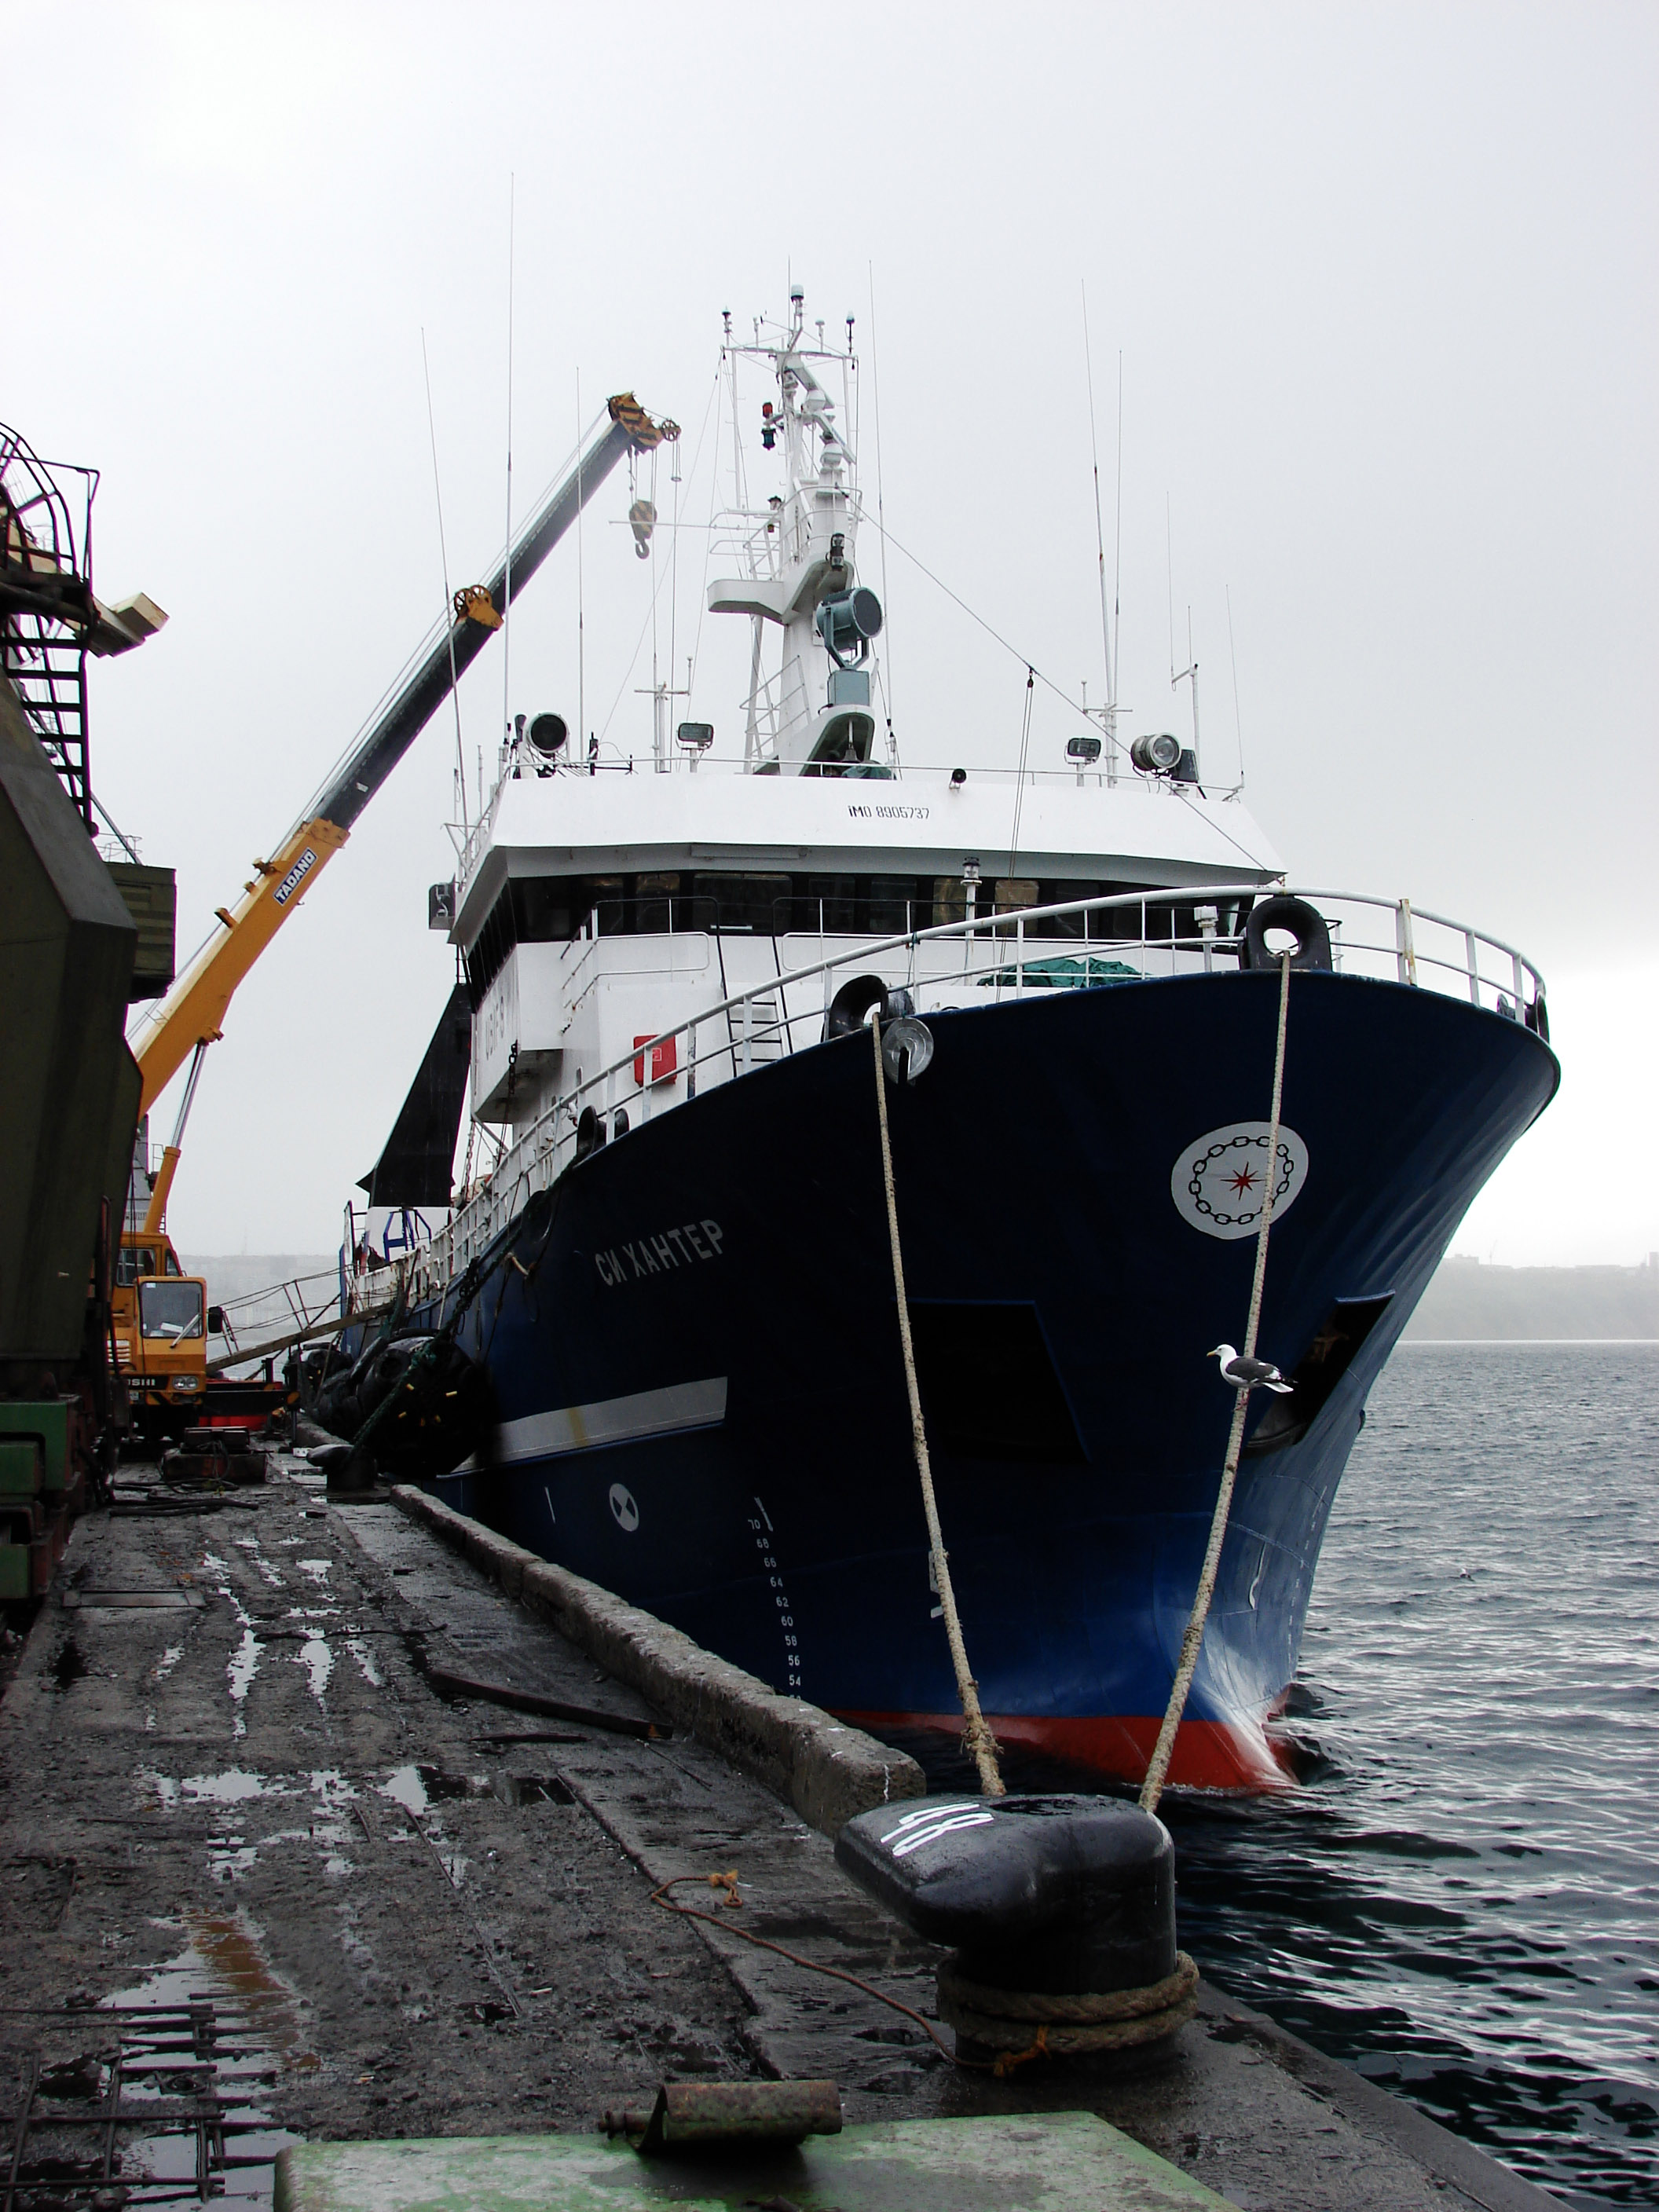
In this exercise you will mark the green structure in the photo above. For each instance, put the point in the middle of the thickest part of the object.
(1037, 2162)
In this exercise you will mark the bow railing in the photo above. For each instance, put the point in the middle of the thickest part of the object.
(983, 959)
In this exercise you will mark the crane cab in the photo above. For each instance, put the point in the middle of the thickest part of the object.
(160, 1319)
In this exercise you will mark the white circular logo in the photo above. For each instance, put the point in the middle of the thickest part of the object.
(623, 1505)
(1220, 1179)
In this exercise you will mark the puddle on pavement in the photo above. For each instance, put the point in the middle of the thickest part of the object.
(224, 1961)
(256, 2029)
(315, 1657)
(267, 1572)
(418, 1787)
(242, 1667)
(234, 1785)
(403, 1784)
(243, 1663)
(417, 1790)
(229, 1856)
(358, 1647)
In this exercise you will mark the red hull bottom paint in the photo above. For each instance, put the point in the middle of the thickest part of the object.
(1208, 1755)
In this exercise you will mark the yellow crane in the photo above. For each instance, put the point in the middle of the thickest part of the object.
(191, 1015)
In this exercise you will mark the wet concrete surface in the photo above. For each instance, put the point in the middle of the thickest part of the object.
(430, 1917)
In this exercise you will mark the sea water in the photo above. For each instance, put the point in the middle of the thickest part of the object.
(1461, 1901)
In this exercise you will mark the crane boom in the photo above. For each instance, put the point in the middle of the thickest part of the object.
(193, 1011)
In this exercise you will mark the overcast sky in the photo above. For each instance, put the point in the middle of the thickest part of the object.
(1382, 281)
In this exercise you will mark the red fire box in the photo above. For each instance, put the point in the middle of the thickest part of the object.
(664, 1059)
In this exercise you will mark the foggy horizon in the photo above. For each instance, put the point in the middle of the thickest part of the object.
(1381, 284)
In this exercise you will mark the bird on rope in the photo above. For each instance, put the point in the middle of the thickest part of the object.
(1249, 1374)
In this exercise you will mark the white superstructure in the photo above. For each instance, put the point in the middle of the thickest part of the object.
(595, 905)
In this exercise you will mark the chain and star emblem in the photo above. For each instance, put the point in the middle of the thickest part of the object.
(1220, 1182)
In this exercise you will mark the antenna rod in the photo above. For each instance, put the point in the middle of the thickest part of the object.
(881, 506)
(1232, 650)
(1117, 584)
(1169, 578)
(1192, 671)
(443, 559)
(1100, 535)
(581, 636)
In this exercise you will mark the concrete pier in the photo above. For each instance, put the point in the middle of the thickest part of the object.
(226, 1775)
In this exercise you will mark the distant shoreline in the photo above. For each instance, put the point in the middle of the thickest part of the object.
(1468, 1301)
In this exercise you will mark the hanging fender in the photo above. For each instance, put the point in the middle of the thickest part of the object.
(853, 1001)
(1305, 923)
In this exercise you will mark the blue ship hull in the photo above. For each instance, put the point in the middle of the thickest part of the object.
(696, 1368)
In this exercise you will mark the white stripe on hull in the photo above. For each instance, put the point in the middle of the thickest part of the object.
(613, 1421)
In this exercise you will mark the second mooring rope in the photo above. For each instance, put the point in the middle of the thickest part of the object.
(1153, 1789)
(977, 1735)
(1017, 2025)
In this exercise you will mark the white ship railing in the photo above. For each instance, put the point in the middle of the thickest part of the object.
(1001, 955)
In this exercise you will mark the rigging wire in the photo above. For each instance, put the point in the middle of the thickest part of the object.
(443, 558)
(663, 573)
(659, 706)
(507, 593)
(884, 660)
(1019, 781)
(708, 532)
(647, 628)
(1232, 651)
(1117, 552)
(1047, 682)
(674, 580)
(581, 629)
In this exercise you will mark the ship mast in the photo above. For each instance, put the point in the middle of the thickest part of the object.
(813, 716)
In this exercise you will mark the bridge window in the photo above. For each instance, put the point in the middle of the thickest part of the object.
(546, 909)
(742, 901)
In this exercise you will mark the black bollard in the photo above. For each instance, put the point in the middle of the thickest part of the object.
(1060, 1910)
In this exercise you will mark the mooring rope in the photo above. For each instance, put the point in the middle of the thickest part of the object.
(1152, 1787)
(1017, 2025)
(976, 1736)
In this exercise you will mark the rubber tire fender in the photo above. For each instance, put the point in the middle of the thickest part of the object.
(1305, 923)
(853, 1001)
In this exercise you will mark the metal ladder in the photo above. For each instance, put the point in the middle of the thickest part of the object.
(756, 1030)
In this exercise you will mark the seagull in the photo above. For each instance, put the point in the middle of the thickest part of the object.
(1249, 1374)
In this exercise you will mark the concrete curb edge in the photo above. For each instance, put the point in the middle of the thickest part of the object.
(1387, 2113)
(826, 1770)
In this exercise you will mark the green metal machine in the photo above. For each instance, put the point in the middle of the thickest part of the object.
(69, 1086)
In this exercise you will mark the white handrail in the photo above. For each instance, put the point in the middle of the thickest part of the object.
(534, 1161)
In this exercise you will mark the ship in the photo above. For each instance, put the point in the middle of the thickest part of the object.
(663, 1293)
